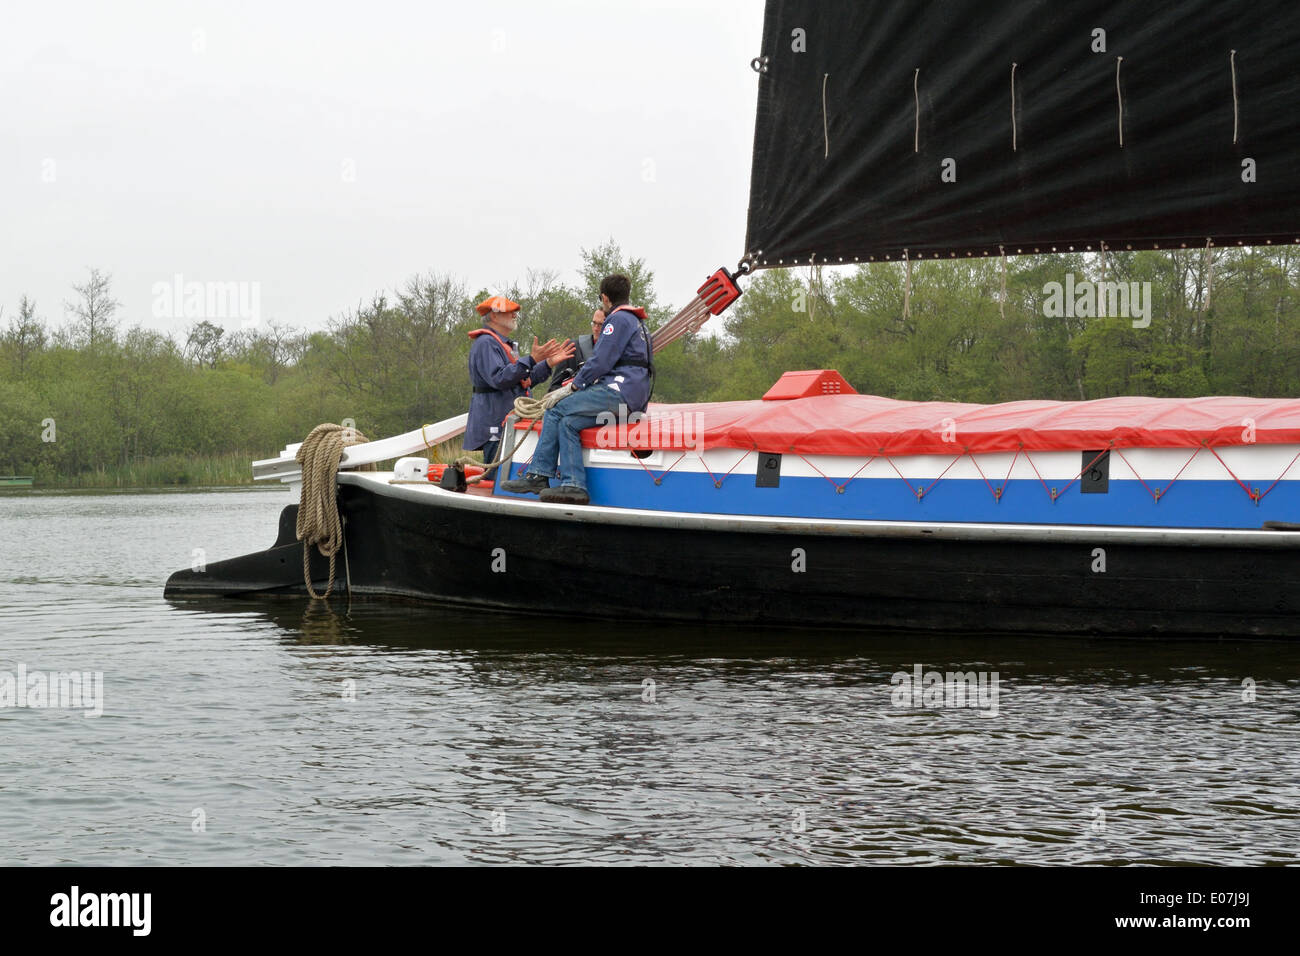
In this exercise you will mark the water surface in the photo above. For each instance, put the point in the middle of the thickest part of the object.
(479, 737)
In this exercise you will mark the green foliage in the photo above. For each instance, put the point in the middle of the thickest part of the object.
(139, 407)
(608, 259)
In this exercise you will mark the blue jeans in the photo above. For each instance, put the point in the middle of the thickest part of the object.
(560, 444)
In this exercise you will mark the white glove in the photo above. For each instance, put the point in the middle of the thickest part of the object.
(557, 395)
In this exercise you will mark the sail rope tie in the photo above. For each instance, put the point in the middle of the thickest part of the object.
(1232, 61)
(916, 94)
(1013, 107)
(825, 128)
(319, 522)
(1119, 95)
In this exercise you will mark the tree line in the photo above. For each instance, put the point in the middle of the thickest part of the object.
(91, 397)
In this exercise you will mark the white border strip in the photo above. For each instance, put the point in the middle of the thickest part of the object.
(1251, 463)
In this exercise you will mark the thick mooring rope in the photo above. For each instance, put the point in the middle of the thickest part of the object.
(530, 408)
(526, 408)
(319, 523)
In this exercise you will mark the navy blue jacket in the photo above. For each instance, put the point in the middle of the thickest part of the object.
(583, 347)
(489, 368)
(624, 337)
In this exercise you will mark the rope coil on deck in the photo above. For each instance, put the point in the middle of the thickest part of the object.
(526, 408)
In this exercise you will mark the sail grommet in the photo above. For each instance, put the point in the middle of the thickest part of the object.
(758, 64)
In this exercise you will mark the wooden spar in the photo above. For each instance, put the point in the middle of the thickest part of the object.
(286, 467)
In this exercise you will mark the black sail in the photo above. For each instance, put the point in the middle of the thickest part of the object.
(1146, 135)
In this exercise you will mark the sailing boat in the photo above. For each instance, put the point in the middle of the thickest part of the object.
(897, 132)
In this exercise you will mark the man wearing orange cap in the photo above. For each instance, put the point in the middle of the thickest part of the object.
(499, 375)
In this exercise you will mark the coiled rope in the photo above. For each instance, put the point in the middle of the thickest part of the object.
(319, 522)
(526, 408)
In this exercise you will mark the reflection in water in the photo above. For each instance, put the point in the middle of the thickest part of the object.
(311, 732)
(787, 746)
(319, 623)
(397, 624)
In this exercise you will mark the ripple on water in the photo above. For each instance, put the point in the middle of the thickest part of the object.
(411, 735)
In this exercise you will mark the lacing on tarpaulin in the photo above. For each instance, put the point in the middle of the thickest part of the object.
(919, 492)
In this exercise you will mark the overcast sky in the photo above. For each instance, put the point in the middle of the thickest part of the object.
(328, 151)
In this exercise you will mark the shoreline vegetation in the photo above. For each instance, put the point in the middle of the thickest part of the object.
(101, 403)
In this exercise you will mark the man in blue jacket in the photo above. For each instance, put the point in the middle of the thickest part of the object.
(617, 379)
(499, 375)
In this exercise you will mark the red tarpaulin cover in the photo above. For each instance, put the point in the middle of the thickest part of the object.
(870, 425)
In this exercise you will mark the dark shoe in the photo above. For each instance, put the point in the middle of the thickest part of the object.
(527, 485)
(566, 495)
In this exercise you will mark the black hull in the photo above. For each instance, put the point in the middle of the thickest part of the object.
(442, 548)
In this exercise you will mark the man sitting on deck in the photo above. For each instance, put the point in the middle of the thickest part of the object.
(499, 375)
(617, 379)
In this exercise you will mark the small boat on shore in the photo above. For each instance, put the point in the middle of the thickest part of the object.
(891, 133)
(16, 481)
